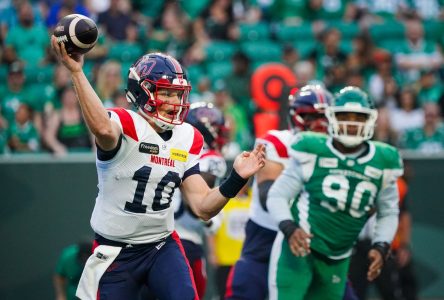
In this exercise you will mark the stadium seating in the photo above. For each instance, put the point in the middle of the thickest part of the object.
(254, 32)
(220, 51)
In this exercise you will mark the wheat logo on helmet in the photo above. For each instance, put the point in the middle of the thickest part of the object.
(154, 78)
(351, 117)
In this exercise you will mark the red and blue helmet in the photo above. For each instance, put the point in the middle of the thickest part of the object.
(211, 123)
(307, 106)
(151, 73)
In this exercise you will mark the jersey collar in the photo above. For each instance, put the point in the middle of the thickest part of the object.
(361, 160)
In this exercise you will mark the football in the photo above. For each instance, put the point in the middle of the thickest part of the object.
(79, 33)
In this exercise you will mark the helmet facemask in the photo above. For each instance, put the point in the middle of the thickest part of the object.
(351, 133)
(307, 118)
(159, 94)
(306, 108)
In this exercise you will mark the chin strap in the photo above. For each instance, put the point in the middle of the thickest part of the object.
(162, 125)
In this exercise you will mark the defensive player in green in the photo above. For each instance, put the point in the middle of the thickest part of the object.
(324, 197)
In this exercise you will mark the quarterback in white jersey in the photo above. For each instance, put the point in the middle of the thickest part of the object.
(141, 159)
(248, 278)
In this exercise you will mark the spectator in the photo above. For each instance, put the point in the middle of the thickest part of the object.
(116, 19)
(180, 42)
(377, 82)
(406, 115)
(238, 84)
(336, 77)
(390, 95)
(61, 8)
(216, 21)
(109, 81)
(9, 15)
(363, 54)
(69, 268)
(383, 131)
(169, 20)
(290, 56)
(27, 41)
(61, 81)
(15, 91)
(23, 136)
(430, 89)
(427, 10)
(429, 138)
(66, 130)
(379, 11)
(417, 53)
(328, 54)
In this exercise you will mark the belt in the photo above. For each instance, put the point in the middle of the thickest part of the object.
(104, 241)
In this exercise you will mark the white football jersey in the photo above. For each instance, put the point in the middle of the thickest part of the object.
(188, 226)
(136, 186)
(276, 144)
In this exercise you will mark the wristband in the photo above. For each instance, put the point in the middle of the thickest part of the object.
(231, 186)
(383, 248)
(287, 227)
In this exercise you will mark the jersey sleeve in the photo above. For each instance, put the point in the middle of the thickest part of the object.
(387, 204)
(394, 167)
(125, 121)
(303, 150)
(195, 150)
(288, 184)
(275, 149)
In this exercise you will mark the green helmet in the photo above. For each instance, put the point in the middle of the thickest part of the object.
(351, 99)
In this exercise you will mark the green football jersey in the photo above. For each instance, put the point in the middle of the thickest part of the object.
(340, 193)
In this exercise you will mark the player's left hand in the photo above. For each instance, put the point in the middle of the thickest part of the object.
(376, 264)
(248, 163)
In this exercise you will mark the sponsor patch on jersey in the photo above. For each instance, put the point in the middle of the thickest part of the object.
(180, 155)
(149, 148)
(328, 162)
(372, 172)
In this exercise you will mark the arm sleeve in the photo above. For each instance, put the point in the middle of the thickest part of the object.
(285, 189)
(195, 150)
(387, 214)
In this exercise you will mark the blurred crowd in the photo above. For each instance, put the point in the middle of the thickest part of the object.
(392, 48)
